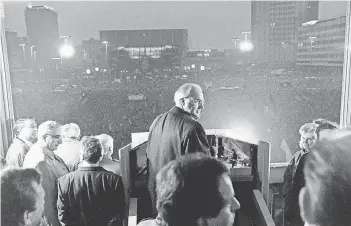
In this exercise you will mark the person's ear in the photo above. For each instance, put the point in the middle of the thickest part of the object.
(182, 102)
(305, 203)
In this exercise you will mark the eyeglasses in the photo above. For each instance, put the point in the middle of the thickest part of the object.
(199, 101)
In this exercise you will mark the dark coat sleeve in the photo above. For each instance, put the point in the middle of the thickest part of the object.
(288, 177)
(196, 141)
(120, 198)
(62, 206)
(292, 210)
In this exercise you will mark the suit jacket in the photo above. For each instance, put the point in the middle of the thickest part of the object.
(171, 135)
(294, 180)
(110, 165)
(16, 153)
(90, 196)
(51, 167)
(69, 151)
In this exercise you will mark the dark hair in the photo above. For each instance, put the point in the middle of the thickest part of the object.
(328, 172)
(324, 124)
(17, 193)
(91, 149)
(187, 189)
(19, 124)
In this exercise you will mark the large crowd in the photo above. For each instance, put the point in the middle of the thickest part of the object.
(262, 100)
(55, 177)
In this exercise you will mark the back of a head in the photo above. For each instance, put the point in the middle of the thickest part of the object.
(91, 150)
(187, 90)
(324, 124)
(106, 141)
(17, 194)
(47, 127)
(187, 189)
(70, 131)
(308, 128)
(328, 179)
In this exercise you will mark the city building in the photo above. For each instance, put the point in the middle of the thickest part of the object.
(149, 43)
(274, 28)
(143, 50)
(18, 50)
(321, 43)
(92, 50)
(13, 49)
(43, 32)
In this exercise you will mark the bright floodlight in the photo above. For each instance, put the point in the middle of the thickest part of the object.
(66, 51)
(245, 46)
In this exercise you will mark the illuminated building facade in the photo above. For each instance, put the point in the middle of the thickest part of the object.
(274, 27)
(43, 32)
(149, 43)
(144, 49)
(321, 43)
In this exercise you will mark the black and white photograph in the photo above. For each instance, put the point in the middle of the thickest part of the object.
(175, 113)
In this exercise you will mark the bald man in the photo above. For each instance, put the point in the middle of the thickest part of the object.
(176, 133)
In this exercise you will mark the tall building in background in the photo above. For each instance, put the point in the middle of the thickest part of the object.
(91, 50)
(13, 49)
(274, 27)
(43, 32)
(321, 43)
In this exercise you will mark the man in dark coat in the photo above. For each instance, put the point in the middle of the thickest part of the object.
(91, 195)
(176, 133)
(294, 178)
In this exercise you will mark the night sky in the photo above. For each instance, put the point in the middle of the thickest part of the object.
(210, 24)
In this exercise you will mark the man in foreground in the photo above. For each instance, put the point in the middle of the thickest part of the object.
(176, 133)
(325, 200)
(69, 150)
(22, 197)
(107, 150)
(25, 131)
(90, 195)
(41, 156)
(194, 190)
(294, 178)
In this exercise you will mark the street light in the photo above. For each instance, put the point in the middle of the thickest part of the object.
(312, 38)
(31, 52)
(66, 51)
(312, 41)
(245, 46)
(24, 51)
(105, 42)
(235, 40)
(246, 33)
(65, 38)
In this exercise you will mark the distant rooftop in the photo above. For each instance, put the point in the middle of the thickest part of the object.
(39, 7)
(313, 22)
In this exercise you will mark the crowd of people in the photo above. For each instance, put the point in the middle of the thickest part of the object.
(55, 177)
(86, 168)
(106, 106)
